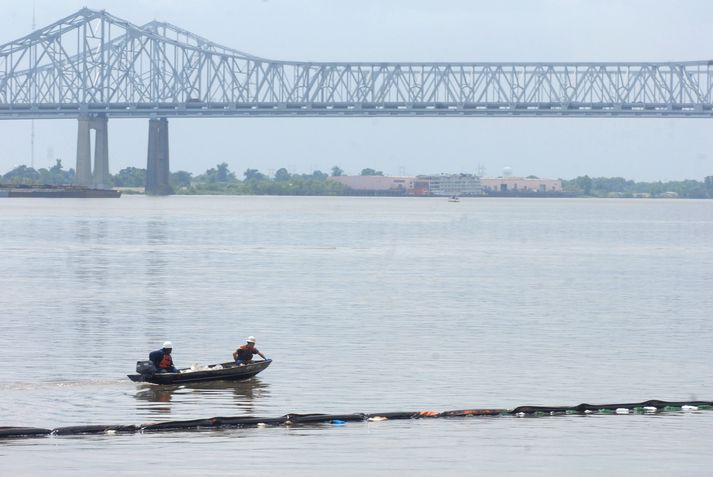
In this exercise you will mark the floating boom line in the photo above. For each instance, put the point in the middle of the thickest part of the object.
(645, 407)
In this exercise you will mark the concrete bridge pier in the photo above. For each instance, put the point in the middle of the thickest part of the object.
(84, 155)
(100, 179)
(157, 170)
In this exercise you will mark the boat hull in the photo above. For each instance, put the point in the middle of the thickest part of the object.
(228, 372)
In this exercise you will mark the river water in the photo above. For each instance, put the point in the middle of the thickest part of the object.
(365, 305)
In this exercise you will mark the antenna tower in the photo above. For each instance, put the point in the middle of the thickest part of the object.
(32, 122)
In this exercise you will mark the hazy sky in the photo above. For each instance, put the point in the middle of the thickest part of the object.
(406, 30)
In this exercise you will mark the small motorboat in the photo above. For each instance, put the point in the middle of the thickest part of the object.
(213, 372)
(453, 198)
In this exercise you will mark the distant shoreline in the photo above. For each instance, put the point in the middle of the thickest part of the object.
(567, 195)
(221, 181)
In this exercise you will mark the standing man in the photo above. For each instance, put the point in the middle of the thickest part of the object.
(162, 359)
(244, 354)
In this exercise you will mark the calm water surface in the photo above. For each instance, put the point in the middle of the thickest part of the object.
(365, 305)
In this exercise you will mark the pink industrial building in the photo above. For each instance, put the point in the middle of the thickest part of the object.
(438, 185)
(376, 183)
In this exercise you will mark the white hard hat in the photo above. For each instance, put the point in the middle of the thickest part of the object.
(251, 339)
(167, 345)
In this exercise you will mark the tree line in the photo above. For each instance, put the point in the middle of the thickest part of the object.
(620, 187)
(55, 175)
(221, 180)
(216, 180)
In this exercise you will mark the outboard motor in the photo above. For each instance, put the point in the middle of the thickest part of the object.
(145, 368)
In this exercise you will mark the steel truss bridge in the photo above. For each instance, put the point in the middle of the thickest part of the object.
(93, 66)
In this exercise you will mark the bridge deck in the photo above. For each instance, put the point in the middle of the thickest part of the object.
(197, 110)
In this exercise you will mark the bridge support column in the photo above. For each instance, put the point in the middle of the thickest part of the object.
(100, 178)
(84, 156)
(157, 170)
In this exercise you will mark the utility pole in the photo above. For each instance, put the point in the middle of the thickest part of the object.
(32, 121)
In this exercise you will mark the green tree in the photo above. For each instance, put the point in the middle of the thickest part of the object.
(282, 175)
(584, 183)
(56, 175)
(253, 175)
(181, 179)
(223, 172)
(57, 168)
(220, 173)
(708, 185)
(337, 171)
(690, 189)
(371, 172)
(130, 177)
(22, 175)
(605, 185)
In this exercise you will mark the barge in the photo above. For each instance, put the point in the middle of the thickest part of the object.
(57, 191)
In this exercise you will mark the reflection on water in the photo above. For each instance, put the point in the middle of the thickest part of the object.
(157, 399)
(91, 266)
(156, 273)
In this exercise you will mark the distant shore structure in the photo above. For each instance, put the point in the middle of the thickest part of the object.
(448, 185)
(465, 185)
(377, 183)
(521, 184)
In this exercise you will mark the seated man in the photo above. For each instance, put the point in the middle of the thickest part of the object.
(244, 354)
(162, 359)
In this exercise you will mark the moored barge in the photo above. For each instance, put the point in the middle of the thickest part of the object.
(57, 191)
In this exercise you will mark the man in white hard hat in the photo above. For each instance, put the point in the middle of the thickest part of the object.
(162, 359)
(244, 354)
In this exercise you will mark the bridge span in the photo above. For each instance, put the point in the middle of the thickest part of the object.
(93, 66)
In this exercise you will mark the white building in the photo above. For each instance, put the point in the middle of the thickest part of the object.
(520, 184)
(453, 184)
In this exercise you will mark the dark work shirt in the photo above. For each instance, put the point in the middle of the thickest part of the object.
(157, 356)
(246, 353)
